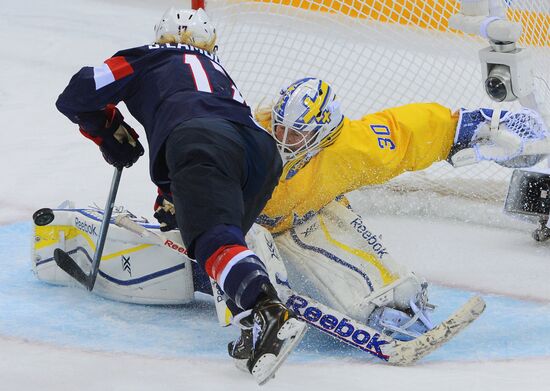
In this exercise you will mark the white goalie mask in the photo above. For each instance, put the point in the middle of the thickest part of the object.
(186, 26)
(304, 118)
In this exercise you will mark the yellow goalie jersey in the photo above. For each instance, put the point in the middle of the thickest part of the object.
(368, 151)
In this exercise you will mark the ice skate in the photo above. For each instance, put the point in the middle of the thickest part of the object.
(275, 333)
(241, 349)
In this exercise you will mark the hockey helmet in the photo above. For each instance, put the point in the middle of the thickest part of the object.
(305, 118)
(186, 26)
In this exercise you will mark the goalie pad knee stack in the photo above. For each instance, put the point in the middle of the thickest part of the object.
(347, 264)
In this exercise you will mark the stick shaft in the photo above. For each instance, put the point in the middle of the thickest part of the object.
(109, 205)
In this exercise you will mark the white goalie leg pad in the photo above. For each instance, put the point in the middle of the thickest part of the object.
(132, 269)
(261, 242)
(346, 262)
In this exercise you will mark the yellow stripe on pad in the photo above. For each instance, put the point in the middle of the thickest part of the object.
(127, 251)
(49, 235)
(387, 276)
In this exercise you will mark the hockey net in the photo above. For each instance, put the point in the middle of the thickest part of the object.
(377, 54)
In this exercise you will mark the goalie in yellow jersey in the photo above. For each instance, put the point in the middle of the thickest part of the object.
(325, 155)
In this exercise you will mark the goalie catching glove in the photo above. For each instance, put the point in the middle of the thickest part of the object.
(117, 140)
(511, 139)
(165, 212)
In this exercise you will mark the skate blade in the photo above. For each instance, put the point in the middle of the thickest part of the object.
(292, 333)
(241, 364)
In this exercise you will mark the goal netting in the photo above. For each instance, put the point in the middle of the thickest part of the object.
(377, 54)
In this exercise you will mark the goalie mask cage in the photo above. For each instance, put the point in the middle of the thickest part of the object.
(377, 54)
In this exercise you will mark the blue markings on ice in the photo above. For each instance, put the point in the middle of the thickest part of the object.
(72, 317)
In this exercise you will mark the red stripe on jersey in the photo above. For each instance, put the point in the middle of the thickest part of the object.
(119, 67)
(221, 257)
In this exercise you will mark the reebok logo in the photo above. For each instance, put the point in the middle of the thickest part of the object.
(340, 328)
(371, 238)
(219, 295)
(85, 227)
(172, 245)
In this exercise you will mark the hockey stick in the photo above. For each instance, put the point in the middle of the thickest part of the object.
(369, 340)
(124, 222)
(221, 308)
(69, 265)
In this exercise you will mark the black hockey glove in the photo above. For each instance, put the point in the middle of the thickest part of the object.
(165, 212)
(118, 142)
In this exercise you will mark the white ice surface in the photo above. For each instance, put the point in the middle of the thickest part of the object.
(460, 243)
(110, 371)
(45, 160)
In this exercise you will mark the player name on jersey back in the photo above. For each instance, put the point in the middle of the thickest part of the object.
(182, 46)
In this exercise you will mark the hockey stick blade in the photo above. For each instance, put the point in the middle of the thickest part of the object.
(406, 353)
(69, 266)
(369, 340)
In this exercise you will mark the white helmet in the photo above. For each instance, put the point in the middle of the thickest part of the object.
(309, 114)
(186, 26)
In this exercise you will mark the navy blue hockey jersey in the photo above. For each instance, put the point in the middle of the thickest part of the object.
(162, 86)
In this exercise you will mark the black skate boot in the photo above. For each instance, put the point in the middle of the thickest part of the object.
(275, 333)
(241, 349)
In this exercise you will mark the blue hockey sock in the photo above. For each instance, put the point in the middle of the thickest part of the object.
(239, 272)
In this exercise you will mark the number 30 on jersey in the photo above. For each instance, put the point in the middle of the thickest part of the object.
(381, 131)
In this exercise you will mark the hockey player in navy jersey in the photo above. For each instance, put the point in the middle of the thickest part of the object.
(205, 151)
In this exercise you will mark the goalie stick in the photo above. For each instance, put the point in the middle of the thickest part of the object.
(69, 265)
(369, 340)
